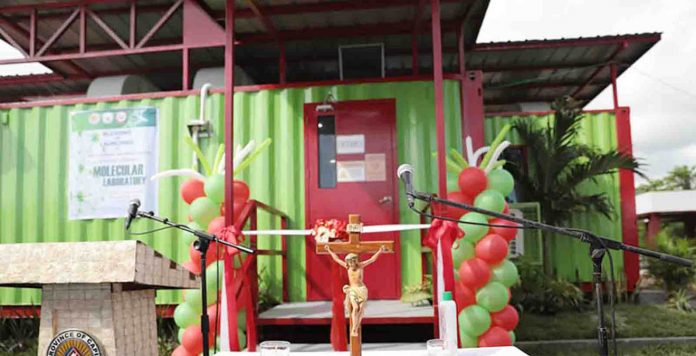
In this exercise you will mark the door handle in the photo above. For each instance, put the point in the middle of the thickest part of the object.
(385, 199)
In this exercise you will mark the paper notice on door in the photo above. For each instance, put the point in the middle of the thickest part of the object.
(350, 171)
(375, 167)
(347, 144)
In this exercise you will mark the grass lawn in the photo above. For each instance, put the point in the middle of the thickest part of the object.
(661, 350)
(631, 321)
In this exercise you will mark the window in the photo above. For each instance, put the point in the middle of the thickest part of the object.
(326, 132)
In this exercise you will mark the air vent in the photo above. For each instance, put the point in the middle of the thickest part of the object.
(361, 61)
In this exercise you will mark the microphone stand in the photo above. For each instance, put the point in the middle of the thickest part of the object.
(202, 244)
(598, 249)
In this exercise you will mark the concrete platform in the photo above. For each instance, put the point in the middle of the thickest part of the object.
(319, 313)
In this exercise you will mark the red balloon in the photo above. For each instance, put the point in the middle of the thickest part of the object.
(181, 351)
(192, 267)
(191, 190)
(508, 233)
(474, 273)
(506, 209)
(216, 225)
(495, 337)
(210, 256)
(457, 197)
(472, 181)
(492, 248)
(463, 296)
(192, 340)
(241, 191)
(506, 318)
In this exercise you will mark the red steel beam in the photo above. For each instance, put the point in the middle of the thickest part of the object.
(59, 32)
(54, 5)
(104, 26)
(32, 33)
(83, 29)
(132, 25)
(439, 97)
(4, 34)
(94, 54)
(26, 33)
(159, 23)
(614, 89)
(229, 155)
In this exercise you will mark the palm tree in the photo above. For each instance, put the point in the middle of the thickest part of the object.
(558, 165)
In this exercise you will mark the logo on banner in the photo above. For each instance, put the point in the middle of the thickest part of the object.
(73, 343)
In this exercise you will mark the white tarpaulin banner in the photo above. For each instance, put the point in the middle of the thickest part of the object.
(113, 153)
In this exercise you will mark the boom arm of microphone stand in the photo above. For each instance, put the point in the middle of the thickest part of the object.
(582, 235)
(198, 233)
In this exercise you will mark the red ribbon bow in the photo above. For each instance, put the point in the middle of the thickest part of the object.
(446, 232)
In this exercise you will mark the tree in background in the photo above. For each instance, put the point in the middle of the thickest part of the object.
(679, 178)
(558, 165)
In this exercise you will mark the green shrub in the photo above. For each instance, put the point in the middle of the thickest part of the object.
(672, 276)
(19, 335)
(539, 293)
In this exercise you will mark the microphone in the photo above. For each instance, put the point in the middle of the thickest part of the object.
(132, 212)
(405, 174)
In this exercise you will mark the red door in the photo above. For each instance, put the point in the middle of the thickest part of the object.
(350, 165)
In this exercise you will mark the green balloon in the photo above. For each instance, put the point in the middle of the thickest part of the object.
(180, 334)
(502, 181)
(192, 297)
(215, 188)
(468, 342)
(203, 210)
(473, 233)
(490, 199)
(505, 273)
(474, 320)
(493, 297)
(462, 251)
(241, 320)
(512, 336)
(212, 278)
(184, 316)
(242, 339)
(452, 182)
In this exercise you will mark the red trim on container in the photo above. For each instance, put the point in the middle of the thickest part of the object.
(20, 311)
(628, 198)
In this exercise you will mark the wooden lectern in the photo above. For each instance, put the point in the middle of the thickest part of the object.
(100, 294)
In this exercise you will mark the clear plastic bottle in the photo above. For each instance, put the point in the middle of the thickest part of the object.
(448, 322)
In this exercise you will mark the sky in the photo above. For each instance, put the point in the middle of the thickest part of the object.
(657, 87)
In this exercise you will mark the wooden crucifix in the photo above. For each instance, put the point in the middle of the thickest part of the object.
(355, 291)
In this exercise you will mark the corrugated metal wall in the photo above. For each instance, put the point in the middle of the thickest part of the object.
(34, 160)
(571, 256)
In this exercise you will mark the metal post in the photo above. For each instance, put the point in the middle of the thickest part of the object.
(229, 152)
(185, 76)
(597, 252)
(614, 89)
(439, 98)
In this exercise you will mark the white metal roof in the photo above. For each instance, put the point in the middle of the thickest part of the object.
(681, 201)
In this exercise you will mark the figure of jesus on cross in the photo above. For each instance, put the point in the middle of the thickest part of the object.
(356, 290)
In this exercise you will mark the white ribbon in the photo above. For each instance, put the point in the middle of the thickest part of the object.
(365, 230)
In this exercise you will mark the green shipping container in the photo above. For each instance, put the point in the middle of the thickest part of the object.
(34, 166)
